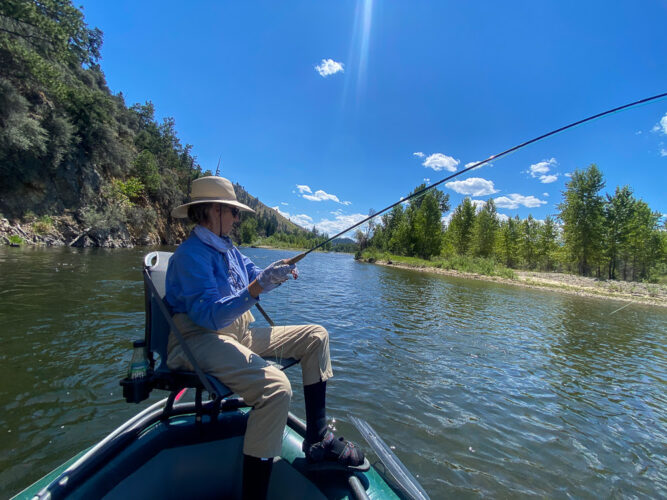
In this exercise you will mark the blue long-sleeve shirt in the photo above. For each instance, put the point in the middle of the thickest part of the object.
(200, 283)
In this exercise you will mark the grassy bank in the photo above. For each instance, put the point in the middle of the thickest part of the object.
(486, 269)
(468, 265)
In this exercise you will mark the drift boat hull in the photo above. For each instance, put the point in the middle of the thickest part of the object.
(187, 454)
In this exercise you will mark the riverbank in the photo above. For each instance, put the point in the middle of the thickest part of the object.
(70, 230)
(630, 292)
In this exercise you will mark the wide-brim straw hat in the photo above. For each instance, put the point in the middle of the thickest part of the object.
(210, 189)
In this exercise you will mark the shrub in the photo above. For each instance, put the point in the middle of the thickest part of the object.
(15, 240)
(44, 225)
(142, 218)
(110, 217)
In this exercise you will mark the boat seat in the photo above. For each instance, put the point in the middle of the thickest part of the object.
(158, 326)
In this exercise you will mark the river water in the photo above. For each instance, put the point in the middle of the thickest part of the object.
(483, 389)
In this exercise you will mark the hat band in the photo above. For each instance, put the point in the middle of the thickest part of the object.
(216, 198)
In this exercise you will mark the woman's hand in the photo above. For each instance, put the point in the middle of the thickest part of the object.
(275, 274)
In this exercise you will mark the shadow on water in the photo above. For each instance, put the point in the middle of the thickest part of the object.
(483, 389)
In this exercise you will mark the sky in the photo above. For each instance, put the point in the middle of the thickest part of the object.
(326, 110)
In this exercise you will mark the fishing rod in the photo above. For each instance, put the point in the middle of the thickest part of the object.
(297, 258)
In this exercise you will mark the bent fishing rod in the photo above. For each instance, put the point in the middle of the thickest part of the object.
(420, 192)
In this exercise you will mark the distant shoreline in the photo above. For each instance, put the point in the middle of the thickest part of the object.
(266, 247)
(626, 291)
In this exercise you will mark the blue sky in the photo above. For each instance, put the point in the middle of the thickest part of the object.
(328, 109)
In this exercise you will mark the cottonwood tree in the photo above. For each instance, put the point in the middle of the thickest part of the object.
(461, 226)
(485, 230)
(582, 214)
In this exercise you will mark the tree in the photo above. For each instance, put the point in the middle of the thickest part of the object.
(645, 242)
(461, 226)
(529, 242)
(509, 241)
(362, 239)
(248, 230)
(145, 167)
(619, 211)
(582, 214)
(485, 230)
(391, 222)
(547, 244)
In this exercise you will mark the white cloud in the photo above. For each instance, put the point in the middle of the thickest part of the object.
(515, 200)
(320, 195)
(302, 220)
(545, 194)
(478, 204)
(329, 67)
(418, 154)
(639, 132)
(662, 126)
(341, 222)
(284, 203)
(542, 167)
(474, 186)
(663, 152)
(446, 218)
(567, 174)
(501, 217)
(548, 179)
(427, 180)
(438, 161)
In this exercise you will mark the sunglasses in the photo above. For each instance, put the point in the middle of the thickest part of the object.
(235, 211)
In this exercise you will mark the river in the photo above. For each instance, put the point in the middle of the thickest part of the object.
(483, 389)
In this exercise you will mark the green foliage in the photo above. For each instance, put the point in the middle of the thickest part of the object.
(413, 230)
(248, 231)
(15, 240)
(548, 245)
(509, 241)
(582, 213)
(141, 217)
(132, 188)
(618, 213)
(60, 126)
(105, 217)
(461, 263)
(620, 234)
(461, 226)
(529, 242)
(146, 169)
(485, 230)
(44, 225)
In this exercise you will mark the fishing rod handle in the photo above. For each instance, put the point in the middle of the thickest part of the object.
(295, 259)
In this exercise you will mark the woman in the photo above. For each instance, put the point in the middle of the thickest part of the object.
(211, 287)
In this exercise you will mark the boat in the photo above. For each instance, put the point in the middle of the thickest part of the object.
(185, 447)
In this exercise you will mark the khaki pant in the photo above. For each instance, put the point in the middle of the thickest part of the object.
(232, 355)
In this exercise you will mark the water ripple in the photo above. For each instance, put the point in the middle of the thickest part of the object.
(483, 389)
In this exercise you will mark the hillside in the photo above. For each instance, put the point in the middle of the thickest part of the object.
(77, 165)
(266, 217)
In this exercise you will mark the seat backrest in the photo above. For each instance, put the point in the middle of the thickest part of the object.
(157, 327)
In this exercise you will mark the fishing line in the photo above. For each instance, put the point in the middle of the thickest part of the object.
(297, 258)
(622, 307)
